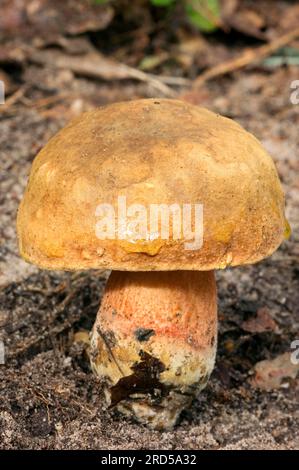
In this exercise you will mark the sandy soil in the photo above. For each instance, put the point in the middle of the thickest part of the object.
(49, 398)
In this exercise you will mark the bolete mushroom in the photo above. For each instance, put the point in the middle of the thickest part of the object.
(154, 339)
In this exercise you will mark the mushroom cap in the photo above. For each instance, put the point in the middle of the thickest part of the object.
(151, 151)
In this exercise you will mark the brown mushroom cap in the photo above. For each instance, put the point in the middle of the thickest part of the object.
(151, 151)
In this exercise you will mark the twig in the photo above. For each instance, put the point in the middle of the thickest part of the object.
(246, 58)
(14, 98)
(44, 102)
(95, 65)
(151, 79)
(169, 80)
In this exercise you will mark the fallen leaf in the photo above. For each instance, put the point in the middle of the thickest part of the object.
(284, 56)
(12, 54)
(269, 374)
(81, 337)
(261, 323)
(49, 19)
(248, 22)
(150, 62)
(188, 49)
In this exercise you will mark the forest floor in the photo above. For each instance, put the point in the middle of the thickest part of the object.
(49, 398)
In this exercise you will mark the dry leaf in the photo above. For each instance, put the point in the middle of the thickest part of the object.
(248, 22)
(261, 323)
(81, 337)
(269, 374)
(49, 19)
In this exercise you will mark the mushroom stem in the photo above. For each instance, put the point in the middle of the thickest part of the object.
(154, 341)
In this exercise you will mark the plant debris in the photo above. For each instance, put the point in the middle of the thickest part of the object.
(261, 323)
(270, 374)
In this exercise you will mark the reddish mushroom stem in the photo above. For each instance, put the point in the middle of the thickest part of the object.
(154, 340)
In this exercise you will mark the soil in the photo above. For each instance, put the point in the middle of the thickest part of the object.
(49, 396)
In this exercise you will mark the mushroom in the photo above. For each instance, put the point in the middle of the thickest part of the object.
(154, 338)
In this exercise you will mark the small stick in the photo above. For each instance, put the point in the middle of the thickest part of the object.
(247, 57)
(14, 98)
(95, 65)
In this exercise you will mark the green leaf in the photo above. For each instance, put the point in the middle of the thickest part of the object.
(284, 56)
(204, 14)
(100, 2)
(162, 3)
(151, 61)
